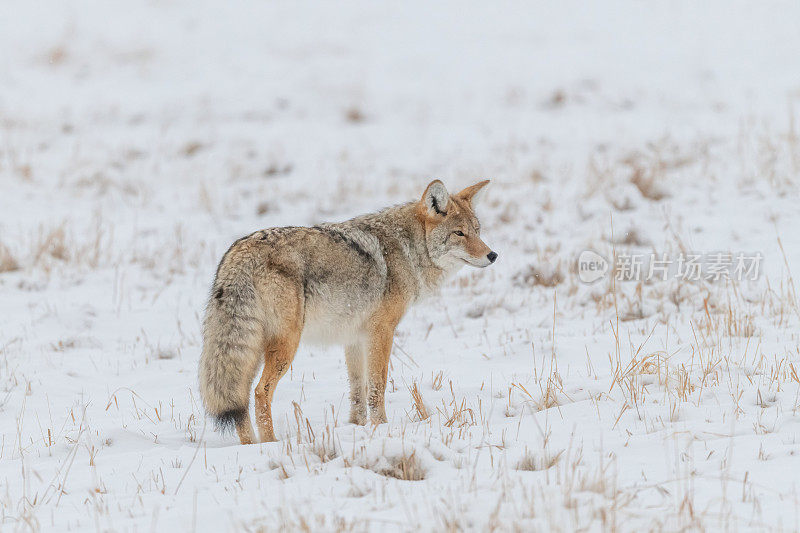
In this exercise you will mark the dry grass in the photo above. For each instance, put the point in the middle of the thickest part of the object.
(649, 169)
(647, 182)
(631, 237)
(542, 276)
(436, 381)
(52, 244)
(306, 522)
(57, 55)
(276, 169)
(191, 148)
(7, 261)
(264, 208)
(354, 115)
(531, 462)
(420, 410)
(404, 467)
(556, 100)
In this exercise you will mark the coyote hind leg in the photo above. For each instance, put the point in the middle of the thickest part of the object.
(245, 430)
(279, 354)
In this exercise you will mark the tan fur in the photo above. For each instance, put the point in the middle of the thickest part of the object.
(348, 283)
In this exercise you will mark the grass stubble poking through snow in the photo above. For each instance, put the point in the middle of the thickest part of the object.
(519, 399)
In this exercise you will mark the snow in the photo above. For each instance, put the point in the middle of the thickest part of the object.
(140, 139)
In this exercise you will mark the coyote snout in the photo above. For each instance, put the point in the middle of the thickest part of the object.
(347, 283)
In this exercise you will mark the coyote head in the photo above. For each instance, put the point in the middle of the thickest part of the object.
(452, 231)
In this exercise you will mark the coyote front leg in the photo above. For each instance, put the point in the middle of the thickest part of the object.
(354, 355)
(380, 348)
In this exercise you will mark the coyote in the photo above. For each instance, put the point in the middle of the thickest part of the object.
(345, 283)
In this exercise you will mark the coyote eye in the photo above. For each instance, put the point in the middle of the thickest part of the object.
(459, 233)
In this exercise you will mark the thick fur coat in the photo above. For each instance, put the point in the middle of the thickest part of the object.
(346, 283)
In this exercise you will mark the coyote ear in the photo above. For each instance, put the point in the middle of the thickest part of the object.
(474, 193)
(436, 198)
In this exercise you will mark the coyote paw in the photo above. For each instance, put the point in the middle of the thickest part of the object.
(359, 418)
(378, 418)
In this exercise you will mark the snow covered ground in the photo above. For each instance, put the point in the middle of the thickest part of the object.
(138, 140)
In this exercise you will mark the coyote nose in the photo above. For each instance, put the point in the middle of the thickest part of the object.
(491, 257)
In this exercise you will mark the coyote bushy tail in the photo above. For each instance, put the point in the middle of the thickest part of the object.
(233, 336)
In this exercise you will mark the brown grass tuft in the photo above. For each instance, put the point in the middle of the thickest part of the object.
(647, 184)
(191, 148)
(404, 468)
(264, 207)
(436, 381)
(52, 244)
(536, 275)
(354, 115)
(419, 405)
(57, 55)
(556, 100)
(7, 261)
(535, 463)
(631, 237)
